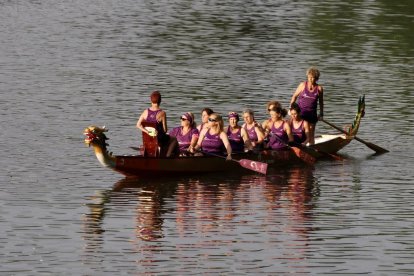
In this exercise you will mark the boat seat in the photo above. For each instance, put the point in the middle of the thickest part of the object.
(151, 147)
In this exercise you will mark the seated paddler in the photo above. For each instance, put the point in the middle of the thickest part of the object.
(254, 130)
(213, 140)
(186, 134)
(154, 114)
(279, 131)
(238, 137)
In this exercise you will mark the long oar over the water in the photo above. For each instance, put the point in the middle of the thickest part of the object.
(372, 146)
(256, 166)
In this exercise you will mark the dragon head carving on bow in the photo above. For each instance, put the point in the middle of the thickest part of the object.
(96, 138)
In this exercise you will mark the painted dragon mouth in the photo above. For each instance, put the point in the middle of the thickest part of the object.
(90, 137)
(94, 134)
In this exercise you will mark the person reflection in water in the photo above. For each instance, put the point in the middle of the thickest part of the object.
(149, 221)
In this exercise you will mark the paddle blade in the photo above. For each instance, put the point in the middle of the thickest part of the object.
(370, 145)
(256, 166)
(306, 157)
(374, 147)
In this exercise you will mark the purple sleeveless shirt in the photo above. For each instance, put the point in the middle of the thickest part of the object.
(274, 143)
(299, 135)
(236, 140)
(152, 118)
(184, 141)
(308, 103)
(251, 133)
(212, 143)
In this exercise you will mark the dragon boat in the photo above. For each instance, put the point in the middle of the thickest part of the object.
(147, 162)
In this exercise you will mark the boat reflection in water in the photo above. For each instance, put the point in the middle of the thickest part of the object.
(200, 214)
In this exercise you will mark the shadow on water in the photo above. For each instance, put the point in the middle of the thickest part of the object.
(207, 205)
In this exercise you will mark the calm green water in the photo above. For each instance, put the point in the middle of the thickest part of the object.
(69, 64)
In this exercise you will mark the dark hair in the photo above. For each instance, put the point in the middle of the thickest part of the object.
(295, 106)
(209, 111)
(274, 103)
(156, 97)
(280, 110)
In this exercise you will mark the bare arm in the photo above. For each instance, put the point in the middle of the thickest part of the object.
(300, 88)
(266, 128)
(264, 125)
(260, 133)
(194, 139)
(306, 128)
(223, 137)
(321, 101)
(246, 139)
(199, 141)
(142, 118)
(162, 117)
(288, 132)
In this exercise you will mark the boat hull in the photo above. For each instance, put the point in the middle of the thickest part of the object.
(138, 165)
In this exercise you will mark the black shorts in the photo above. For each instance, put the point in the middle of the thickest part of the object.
(310, 117)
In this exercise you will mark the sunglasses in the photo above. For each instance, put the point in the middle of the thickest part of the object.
(183, 119)
(212, 120)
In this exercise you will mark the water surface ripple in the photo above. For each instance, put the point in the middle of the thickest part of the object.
(69, 64)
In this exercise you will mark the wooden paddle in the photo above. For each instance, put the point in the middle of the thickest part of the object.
(372, 146)
(301, 154)
(256, 166)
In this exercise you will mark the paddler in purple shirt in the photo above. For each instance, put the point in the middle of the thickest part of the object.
(253, 129)
(205, 113)
(299, 127)
(238, 137)
(280, 135)
(213, 140)
(186, 134)
(308, 94)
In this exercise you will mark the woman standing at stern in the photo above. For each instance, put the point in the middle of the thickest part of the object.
(156, 115)
(308, 94)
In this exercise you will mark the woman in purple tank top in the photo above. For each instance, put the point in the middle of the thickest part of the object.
(186, 134)
(238, 137)
(269, 106)
(279, 131)
(213, 139)
(253, 129)
(299, 127)
(205, 113)
(309, 93)
(156, 115)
